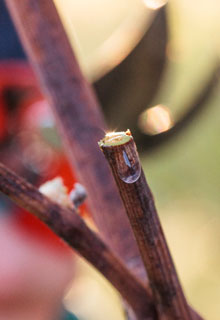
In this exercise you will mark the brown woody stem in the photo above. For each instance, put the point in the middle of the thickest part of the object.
(68, 225)
(79, 119)
(120, 151)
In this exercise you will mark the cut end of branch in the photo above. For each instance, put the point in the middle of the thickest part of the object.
(121, 153)
(115, 138)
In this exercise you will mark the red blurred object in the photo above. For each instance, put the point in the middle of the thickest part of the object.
(3, 117)
(26, 121)
(34, 228)
(14, 73)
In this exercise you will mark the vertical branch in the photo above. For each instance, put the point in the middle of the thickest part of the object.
(120, 151)
(78, 116)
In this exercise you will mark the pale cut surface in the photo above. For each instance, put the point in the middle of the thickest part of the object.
(116, 138)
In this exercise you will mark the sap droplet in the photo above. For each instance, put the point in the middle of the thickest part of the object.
(130, 171)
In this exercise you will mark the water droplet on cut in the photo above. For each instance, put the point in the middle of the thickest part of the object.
(131, 169)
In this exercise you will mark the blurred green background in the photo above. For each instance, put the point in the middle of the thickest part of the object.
(184, 174)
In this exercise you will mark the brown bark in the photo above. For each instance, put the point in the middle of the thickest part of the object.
(120, 151)
(68, 225)
(79, 119)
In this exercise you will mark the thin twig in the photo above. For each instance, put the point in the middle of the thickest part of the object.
(120, 151)
(79, 119)
(67, 224)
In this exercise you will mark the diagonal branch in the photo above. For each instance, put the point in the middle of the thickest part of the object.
(120, 151)
(68, 225)
(79, 119)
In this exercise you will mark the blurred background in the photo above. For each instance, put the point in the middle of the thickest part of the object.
(154, 67)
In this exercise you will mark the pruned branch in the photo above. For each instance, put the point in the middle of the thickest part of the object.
(120, 151)
(68, 225)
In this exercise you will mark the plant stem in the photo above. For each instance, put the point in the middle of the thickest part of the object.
(68, 225)
(79, 119)
(120, 151)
